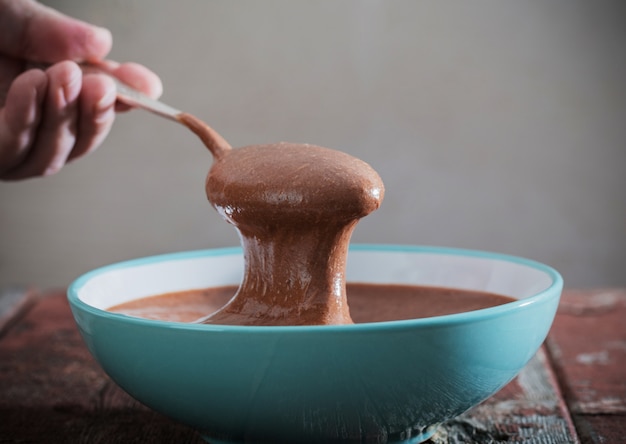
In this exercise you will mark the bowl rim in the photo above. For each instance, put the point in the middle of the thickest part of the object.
(553, 290)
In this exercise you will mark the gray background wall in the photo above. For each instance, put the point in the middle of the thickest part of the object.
(495, 125)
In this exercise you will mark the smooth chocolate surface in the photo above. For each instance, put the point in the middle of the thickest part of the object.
(368, 302)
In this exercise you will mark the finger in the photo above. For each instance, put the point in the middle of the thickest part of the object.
(97, 113)
(140, 78)
(134, 75)
(56, 134)
(20, 118)
(10, 69)
(29, 30)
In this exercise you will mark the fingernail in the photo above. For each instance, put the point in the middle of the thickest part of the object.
(104, 117)
(107, 101)
(103, 32)
(102, 39)
(71, 89)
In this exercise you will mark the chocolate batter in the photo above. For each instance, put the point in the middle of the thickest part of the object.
(368, 302)
(295, 207)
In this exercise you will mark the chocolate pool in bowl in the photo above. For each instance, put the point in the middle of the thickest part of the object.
(368, 382)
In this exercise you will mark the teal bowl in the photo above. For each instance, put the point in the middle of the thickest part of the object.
(386, 382)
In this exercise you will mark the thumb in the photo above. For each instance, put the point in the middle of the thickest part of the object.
(34, 32)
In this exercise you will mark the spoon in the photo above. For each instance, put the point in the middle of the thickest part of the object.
(132, 97)
(128, 95)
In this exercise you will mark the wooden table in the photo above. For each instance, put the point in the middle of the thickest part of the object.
(52, 391)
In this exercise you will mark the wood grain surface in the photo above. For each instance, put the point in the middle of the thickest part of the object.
(587, 345)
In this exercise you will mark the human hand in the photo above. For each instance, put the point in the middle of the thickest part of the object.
(50, 117)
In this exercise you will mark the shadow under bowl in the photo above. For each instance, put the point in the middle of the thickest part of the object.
(391, 382)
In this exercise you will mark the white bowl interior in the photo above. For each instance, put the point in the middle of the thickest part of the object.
(473, 271)
(479, 271)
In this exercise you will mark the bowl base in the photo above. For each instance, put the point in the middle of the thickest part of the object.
(426, 434)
